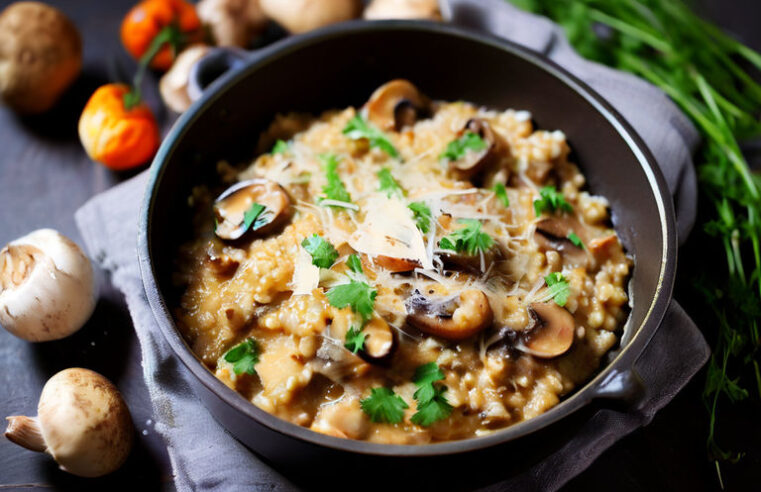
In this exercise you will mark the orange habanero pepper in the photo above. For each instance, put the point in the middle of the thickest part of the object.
(149, 17)
(118, 137)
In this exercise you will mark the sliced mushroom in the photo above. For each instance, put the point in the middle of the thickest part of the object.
(336, 363)
(552, 234)
(472, 263)
(550, 333)
(397, 104)
(605, 248)
(379, 341)
(396, 265)
(453, 318)
(230, 209)
(475, 162)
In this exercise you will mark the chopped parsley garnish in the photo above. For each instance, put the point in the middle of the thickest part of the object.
(383, 405)
(357, 128)
(334, 189)
(323, 253)
(501, 192)
(432, 405)
(355, 340)
(456, 148)
(422, 215)
(355, 264)
(558, 287)
(470, 239)
(387, 183)
(244, 356)
(254, 216)
(551, 200)
(280, 147)
(358, 295)
(575, 240)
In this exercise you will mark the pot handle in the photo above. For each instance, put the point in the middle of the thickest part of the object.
(624, 386)
(209, 68)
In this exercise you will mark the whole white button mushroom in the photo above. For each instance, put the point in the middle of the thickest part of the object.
(82, 422)
(299, 16)
(47, 289)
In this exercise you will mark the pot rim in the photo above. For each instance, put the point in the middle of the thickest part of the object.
(624, 360)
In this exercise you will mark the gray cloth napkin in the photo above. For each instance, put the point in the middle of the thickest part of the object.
(205, 457)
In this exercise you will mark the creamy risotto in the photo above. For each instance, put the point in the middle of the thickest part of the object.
(408, 272)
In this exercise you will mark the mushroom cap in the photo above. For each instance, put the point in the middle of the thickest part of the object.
(299, 16)
(455, 318)
(396, 104)
(476, 162)
(173, 85)
(552, 234)
(231, 207)
(40, 56)
(85, 423)
(47, 290)
(232, 22)
(550, 333)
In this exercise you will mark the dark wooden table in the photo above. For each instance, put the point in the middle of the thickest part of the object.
(45, 176)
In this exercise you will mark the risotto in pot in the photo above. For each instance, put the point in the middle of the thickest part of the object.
(409, 272)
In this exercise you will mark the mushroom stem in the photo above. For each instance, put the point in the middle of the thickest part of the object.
(25, 431)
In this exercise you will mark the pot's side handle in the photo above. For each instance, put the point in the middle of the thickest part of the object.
(624, 386)
(209, 68)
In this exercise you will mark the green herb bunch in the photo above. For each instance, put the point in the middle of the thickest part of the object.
(706, 73)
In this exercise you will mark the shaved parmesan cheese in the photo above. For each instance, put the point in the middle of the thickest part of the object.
(388, 229)
(306, 276)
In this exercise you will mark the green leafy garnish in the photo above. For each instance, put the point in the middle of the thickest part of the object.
(251, 215)
(244, 356)
(334, 189)
(470, 239)
(575, 240)
(432, 405)
(422, 215)
(383, 405)
(354, 263)
(558, 287)
(358, 295)
(280, 147)
(355, 340)
(551, 200)
(357, 128)
(456, 148)
(388, 183)
(501, 192)
(323, 253)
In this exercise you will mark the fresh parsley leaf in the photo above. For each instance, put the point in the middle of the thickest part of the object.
(432, 405)
(388, 183)
(422, 215)
(559, 288)
(355, 339)
(357, 128)
(383, 405)
(470, 239)
(456, 148)
(323, 253)
(501, 192)
(359, 295)
(435, 409)
(355, 264)
(280, 147)
(551, 200)
(250, 216)
(244, 356)
(334, 189)
(576, 240)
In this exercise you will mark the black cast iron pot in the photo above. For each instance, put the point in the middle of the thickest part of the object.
(340, 66)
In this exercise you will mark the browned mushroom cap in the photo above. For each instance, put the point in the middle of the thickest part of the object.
(552, 234)
(454, 318)
(395, 265)
(379, 341)
(472, 162)
(606, 248)
(550, 333)
(472, 263)
(231, 209)
(397, 104)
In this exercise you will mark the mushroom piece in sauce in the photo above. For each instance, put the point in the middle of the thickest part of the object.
(396, 265)
(552, 234)
(550, 333)
(236, 209)
(474, 162)
(397, 104)
(453, 318)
